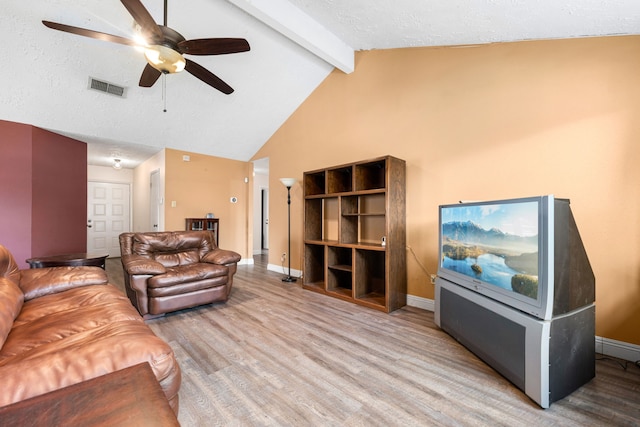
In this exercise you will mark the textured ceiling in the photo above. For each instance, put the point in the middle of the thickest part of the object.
(45, 80)
(385, 24)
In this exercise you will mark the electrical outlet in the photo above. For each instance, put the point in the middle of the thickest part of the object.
(283, 257)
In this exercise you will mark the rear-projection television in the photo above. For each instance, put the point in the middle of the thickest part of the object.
(515, 287)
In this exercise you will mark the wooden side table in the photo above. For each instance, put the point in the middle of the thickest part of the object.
(69, 260)
(129, 397)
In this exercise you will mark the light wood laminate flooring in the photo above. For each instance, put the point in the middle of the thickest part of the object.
(277, 355)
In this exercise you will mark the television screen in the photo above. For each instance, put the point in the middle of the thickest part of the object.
(498, 248)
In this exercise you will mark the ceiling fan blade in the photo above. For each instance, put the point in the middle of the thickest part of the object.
(214, 46)
(149, 76)
(208, 77)
(142, 16)
(90, 33)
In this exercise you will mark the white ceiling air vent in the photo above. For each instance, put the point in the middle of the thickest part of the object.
(107, 87)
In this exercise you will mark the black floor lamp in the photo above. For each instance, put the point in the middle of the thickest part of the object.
(289, 182)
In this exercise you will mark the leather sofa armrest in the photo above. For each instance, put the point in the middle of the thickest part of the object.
(37, 282)
(221, 256)
(136, 264)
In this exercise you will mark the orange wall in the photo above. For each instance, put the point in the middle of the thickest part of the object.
(488, 122)
(206, 184)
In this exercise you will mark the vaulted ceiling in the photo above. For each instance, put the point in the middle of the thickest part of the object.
(295, 44)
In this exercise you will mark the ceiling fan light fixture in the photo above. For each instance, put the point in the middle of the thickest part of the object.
(164, 46)
(164, 59)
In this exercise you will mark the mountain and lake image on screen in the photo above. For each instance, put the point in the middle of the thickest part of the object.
(494, 243)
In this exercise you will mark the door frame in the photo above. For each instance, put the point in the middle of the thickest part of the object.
(157, 203)
(264, 219)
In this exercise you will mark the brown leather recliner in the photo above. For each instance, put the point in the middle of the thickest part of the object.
(174, 270)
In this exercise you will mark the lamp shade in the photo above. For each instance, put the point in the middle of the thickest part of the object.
(164, 59)
(288, 182)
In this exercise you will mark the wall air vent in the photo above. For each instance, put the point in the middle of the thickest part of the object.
(106, 87)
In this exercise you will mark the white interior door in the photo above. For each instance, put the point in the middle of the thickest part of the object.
(107, 216)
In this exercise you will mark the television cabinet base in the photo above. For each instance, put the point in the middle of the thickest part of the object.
(547, 360)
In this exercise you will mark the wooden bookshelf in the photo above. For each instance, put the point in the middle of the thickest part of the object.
(348, 210)
(200, 224)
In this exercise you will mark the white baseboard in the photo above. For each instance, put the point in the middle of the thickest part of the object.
(619, 349)
(245, 261)
(419, 302)
(279, 269)
(604, 346)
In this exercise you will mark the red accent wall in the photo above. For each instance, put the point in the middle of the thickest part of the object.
(43, 192)
(15, 189)
(59, 187)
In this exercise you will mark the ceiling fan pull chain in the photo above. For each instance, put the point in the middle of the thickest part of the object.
(164, 91)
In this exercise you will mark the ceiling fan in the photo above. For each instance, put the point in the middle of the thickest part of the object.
(165, 47)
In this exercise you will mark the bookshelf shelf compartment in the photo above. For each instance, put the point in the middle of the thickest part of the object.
(349, 210)
(314, 265)
(339, 180)
(204, 224)
(314, 183)
(370, 175)
(339, 270)
(370, 285)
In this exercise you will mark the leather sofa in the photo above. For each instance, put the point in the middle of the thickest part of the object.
(173, 270)
(64, 325)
